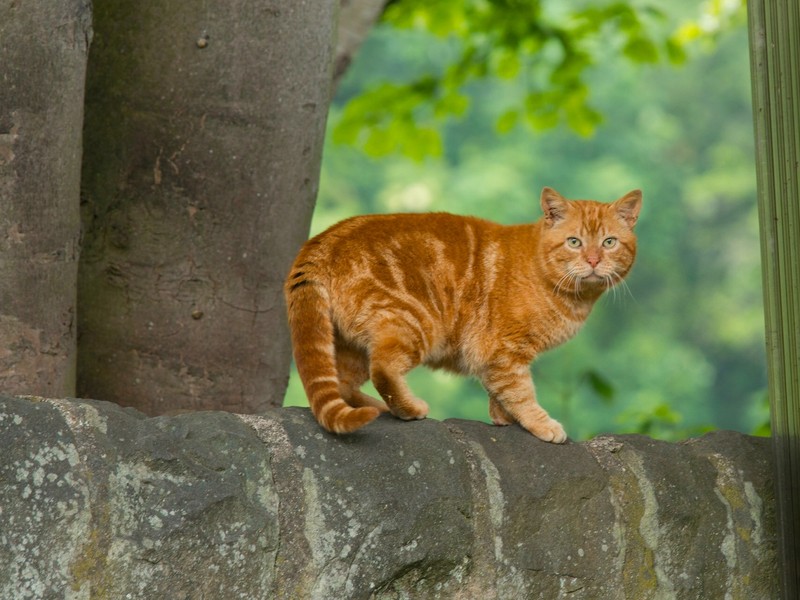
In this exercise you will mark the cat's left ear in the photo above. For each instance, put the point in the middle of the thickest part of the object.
(628, 207)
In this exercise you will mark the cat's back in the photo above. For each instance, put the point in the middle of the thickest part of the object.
(405, 236)
(439, 225)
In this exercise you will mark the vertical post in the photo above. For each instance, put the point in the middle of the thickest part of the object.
(44, 46)
(774, 27)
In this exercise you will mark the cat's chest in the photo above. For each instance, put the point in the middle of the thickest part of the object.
(564, 330)
(547, 325)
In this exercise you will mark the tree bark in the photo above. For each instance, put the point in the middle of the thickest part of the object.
(356, 19)
(204, 130)
(43, 52)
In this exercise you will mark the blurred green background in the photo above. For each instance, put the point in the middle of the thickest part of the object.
(659, 101)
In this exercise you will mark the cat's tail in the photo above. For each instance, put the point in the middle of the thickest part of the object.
(308, 305)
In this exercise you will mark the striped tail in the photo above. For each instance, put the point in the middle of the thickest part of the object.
(308, 304)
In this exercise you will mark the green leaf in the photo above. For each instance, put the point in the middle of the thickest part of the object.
(451, 103)
(675, 51)
(380, 142)
(346, 131)
(422, 142)
(507, 121)
(584, 120)
(763, 430)
(688, 32)
(506, 64)
(665, 414)
(542, 109)
(439, 18)
(641, 49)
(543, 119)
(600, 386)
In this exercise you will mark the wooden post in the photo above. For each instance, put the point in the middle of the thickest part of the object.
(775, 70)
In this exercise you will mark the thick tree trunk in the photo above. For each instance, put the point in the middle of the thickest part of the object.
(43, 51)
(204, 129)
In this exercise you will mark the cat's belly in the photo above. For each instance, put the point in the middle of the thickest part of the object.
(453, 364)
(464, 356)
(478, 344)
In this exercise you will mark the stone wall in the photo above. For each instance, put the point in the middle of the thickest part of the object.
(101, 502)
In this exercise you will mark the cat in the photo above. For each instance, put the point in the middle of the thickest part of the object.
(376, 295)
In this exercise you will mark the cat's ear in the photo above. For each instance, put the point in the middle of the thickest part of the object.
(554, 206)
(628, 207)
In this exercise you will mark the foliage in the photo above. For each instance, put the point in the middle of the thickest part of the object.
(682, 346)
(545, 47)
(761, 416)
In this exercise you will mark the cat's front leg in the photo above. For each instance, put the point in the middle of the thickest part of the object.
(498, 414)
(512, 397)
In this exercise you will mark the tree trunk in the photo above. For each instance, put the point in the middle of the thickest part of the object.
(356, 19)
(204, 130)
(43, 52)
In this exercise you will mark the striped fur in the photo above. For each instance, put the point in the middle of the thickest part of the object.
(375, 296)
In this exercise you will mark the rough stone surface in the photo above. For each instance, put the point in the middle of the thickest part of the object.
(97, 501)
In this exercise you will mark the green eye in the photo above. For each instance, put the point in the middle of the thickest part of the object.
(574, 242)
(609, 242)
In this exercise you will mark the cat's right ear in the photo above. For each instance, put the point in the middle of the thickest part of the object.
(554, 206)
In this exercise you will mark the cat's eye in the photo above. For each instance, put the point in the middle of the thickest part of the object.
(609, 242)
(574, 242)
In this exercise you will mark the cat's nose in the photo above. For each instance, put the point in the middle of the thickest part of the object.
(593, 260)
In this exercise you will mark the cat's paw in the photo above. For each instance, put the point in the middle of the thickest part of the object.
(358, 399)
(410, 409)
(549, 430)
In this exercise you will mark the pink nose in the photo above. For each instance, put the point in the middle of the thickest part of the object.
(593, 260)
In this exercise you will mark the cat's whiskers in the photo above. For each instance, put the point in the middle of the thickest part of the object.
(624, 285)
(560, 282)
(572, 279)
(609, 281)
(613, 280)
(578, 280)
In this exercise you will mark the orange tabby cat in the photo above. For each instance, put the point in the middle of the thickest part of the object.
(375, 296)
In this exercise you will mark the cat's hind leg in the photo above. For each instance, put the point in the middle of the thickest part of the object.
(352, 366)
(392, 356)
(511, 394)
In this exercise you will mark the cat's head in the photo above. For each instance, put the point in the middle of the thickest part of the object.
(588, 246)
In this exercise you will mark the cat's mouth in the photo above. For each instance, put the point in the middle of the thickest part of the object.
(594, 278)
(597, 280)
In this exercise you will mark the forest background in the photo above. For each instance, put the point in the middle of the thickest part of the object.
(680, 349)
